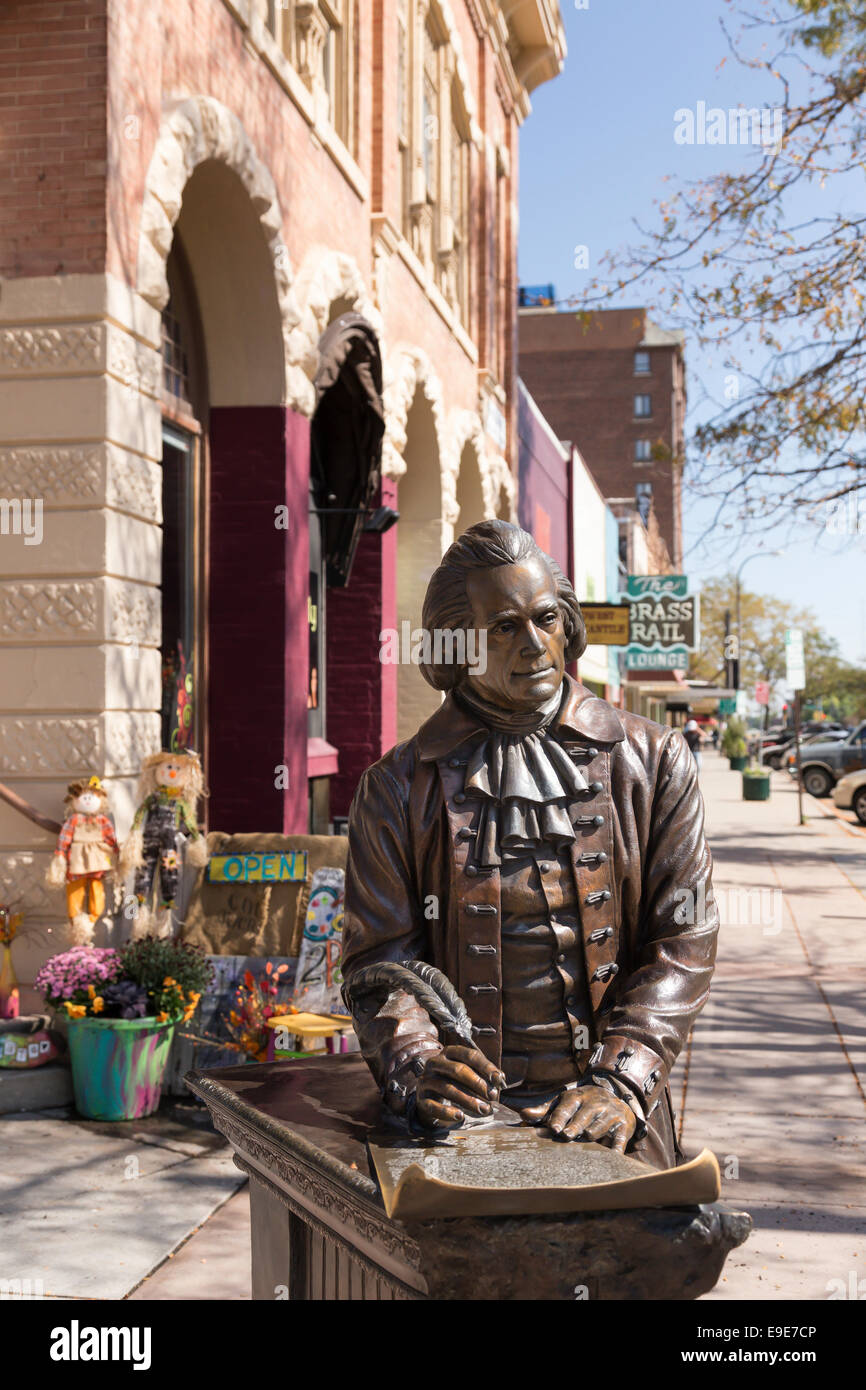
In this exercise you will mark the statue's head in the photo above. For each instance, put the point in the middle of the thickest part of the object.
(495, 579)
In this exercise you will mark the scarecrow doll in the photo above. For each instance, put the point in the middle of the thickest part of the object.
(169, 789)
(86, 852)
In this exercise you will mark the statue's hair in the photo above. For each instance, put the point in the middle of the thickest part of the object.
(194, 786)
(446, 604)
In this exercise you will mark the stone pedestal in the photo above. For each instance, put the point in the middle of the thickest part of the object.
(319, 1229)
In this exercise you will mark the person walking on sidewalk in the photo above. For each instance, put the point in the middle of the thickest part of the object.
(694, 738)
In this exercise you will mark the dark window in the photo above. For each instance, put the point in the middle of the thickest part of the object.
(178, 587)
(643, 496)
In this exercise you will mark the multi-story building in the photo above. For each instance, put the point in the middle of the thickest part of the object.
(615, 383)
(258, 276)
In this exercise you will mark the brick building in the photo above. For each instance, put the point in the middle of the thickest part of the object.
(195, 193)
(617, 387)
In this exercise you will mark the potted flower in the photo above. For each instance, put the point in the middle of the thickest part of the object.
(734, 744)
(756, 784)
(122, 1009)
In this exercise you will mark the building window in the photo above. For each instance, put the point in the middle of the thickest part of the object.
(643, 497)
(455, 240)
(403, 123)
(430, 117)
(643, 407)
(643, 451)
(317, 38)
(641, 363)
(175, 368)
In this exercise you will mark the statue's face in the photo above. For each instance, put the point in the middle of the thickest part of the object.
(526, 639)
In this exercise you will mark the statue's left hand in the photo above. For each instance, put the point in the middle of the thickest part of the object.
(589, 1112)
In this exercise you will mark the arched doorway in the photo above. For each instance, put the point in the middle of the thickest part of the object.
(236, 476)
(470, 494)
(419, 550)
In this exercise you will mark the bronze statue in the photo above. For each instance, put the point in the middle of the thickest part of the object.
(537, 846)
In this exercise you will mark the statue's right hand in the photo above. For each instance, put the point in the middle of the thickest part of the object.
(455, 1083)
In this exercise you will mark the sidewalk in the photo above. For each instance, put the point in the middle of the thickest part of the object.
(89, 1210)
(773, 1081)
(774, 1078)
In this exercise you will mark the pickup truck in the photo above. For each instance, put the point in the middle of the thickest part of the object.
(823, 763)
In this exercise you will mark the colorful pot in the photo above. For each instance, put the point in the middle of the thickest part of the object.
(118, 1065)
(756, 786)
(739, 764)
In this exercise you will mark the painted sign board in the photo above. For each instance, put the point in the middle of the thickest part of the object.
(607, 624)
(663, 622)
(257, 868)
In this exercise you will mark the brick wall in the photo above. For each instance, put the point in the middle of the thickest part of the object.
(586, 389)
(53, 75)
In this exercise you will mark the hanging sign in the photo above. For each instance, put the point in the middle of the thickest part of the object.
(663, 622)
(607, 624)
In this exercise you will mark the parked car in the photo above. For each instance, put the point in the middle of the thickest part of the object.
(823, 762)
(849, 794)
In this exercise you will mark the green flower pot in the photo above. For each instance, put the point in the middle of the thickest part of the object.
(739, 764)
(118, 1065)
(756, 786)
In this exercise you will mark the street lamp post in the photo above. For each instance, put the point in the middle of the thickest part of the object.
(754, 556)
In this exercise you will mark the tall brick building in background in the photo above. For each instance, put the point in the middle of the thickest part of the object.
(616, 387)
(195, 193)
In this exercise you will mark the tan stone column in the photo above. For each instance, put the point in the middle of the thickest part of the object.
(79, 592)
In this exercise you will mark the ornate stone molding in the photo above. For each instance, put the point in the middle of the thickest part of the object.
(61, 348)
(461, 70)
(49, 609)
(94, 610)
(111, 745)
(73, 348)
(75, 475)
(408, 369)
(22, 879)
(193, 130)
(133, 613)
(326, 277)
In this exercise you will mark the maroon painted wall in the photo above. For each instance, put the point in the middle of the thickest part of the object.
(362, 693)
(257, 619)
(543, 506)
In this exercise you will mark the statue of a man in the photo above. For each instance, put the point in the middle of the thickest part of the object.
(546, 852)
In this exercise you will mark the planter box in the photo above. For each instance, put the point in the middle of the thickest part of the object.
(756, 787)
(739, 764)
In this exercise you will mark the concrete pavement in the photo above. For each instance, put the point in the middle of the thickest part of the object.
(774, 1079)
(88, 1210)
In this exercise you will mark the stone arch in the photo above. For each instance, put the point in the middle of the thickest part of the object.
(193, 131)
(408, 370)
(467, 448)
(327, 279)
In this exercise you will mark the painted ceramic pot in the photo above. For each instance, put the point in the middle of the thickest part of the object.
(118, 1065)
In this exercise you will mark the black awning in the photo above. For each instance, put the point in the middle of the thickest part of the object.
(346, 442)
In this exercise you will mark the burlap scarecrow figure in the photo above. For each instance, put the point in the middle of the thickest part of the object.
(169, 789)
(86, 851)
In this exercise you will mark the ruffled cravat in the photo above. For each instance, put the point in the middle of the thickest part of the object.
(523, 779)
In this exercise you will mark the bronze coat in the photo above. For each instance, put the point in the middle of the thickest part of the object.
(649, 959)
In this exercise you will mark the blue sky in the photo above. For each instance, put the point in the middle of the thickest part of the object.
(593, 157)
